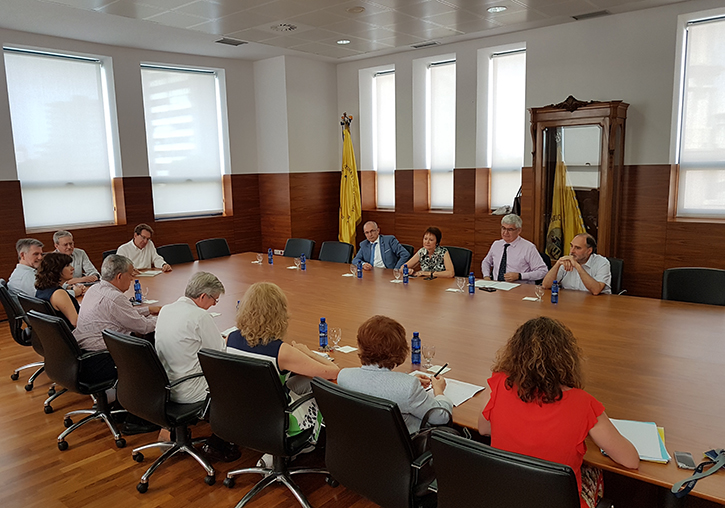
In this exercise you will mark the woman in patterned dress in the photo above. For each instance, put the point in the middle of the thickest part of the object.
(432, 259)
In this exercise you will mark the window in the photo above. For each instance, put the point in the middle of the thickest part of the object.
(64, 137)
(507, 118)
(441, 131)
(701, 190)
(186, 140)
(384, 137)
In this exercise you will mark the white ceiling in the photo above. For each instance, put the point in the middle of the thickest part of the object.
(383, 26)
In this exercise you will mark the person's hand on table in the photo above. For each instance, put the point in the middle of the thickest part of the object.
(511, 276)
(301, 347)
(424, 380)
(439, 385)
(154, 309)
(166, 267)
(367, 266)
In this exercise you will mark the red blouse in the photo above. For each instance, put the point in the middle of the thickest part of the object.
(553, 432)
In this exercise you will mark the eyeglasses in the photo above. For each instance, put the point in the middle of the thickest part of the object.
(216, 300)
(509, 230)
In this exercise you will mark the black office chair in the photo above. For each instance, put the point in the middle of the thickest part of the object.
(695, 285)
(474, 474)
(337, 252)
(409, 248)
(212, 248)
(66, 364)
(176, 253)
(546, 259)
(107, 253)
(254, 414)
(145, 391)
(20, 332)
(616, 266)
(296, 246)
(29, 303)
(461, 259)
(368, 448)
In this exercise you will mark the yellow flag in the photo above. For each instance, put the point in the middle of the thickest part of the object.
(350, 207)
(566, 219)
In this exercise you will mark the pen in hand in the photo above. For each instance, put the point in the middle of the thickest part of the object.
(441, 370)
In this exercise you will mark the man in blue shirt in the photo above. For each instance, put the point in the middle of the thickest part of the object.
(380, 251)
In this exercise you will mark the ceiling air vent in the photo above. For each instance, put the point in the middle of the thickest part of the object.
(284, 27)
(425, 44)
(231, 42)
(591, 15)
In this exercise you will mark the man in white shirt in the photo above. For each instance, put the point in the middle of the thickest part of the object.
(141, 250)
(582, 269)
(83, 269)
(22, 280)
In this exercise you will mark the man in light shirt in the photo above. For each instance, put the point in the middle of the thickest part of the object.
(83, 269)
(380, 251)
(141, 250)
(583, 269)
(22, 280)
(513, 258)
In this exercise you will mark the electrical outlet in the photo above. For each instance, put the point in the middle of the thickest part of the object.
(278, 252)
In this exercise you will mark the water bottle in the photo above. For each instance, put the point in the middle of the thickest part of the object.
(405, 274)
(323, 334)
(270, 256)
(555, 292)
(471, 284)
(137, 292)
(359, 269)
(415, 349)
(302, 262)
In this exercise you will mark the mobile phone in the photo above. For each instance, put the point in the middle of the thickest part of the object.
(684, 460)
(488, 290)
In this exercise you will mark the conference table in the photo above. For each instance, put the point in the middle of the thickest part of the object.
(645, 359)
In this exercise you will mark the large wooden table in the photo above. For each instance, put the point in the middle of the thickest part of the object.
(646, 359)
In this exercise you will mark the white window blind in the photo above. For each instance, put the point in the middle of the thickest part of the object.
(441, 132)
(64, 148)
(185, 140)
(702, 134)
(384, 137)
(507, 128)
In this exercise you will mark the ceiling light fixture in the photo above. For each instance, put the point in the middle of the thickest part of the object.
(496, 8)
(343, 41)
(358, 9)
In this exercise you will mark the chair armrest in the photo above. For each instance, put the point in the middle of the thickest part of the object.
(186, 378)
(433, 487)
(423, 460)
(290, 409)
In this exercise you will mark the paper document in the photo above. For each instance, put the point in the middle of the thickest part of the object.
(454, 290)
(149, 273)
(395, 281)
(530, 299)
(347, 275)
(503, 286)
(346, 349)
(149, 302)
(646, 439)
(215, 314)
(458, 391)
(226, 332)
(433, 369)
(292, 268)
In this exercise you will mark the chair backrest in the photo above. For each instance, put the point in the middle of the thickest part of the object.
(176, 253)
(616, 266)
(546, 259)
(212, 248)
(60, 349)
(696, 285)
(29, 303)
(409, 248)
(295, 246)
(248, 401)
(473, 474)
(16, 316)
(337, 252)
(143, 386)
(368, 448)
(107, 253)
(461, 259)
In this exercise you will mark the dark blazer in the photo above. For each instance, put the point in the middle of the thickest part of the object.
(394, 254)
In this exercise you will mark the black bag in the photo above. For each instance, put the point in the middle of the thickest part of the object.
(516, 208)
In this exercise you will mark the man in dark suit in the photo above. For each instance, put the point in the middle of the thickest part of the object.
(380, 251)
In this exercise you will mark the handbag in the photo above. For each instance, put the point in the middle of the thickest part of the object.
(716, 462)
(516, 208)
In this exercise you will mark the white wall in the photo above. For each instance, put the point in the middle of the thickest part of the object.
(270, 100)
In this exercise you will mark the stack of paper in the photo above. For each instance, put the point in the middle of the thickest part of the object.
(647, 438)
(458, 391)
(503, 286)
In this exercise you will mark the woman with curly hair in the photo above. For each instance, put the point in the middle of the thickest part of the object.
(538, 407)
(55, 270)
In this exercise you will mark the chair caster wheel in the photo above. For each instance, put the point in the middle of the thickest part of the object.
(138, 457)
(51, 392)
(28, 387)
(142, 487)
(62, 445)
(229, 483)
(15, 376)
(47, 409)
(120, 443)
(332, 482)
(67, 422)
(210, 479)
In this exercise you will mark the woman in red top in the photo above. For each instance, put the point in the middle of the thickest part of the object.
(537, 406)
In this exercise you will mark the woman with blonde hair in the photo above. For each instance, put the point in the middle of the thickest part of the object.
(538, 407)
(262, 320)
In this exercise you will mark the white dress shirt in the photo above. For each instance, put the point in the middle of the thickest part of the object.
(22, 280)
(82, 265)
(597, 266)
(141, 258)
(377, 260)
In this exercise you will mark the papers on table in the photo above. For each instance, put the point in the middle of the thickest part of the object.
(347, 275)
(149, 273)
(458, 391)
(346, 349)
(646, 437)
(395, 281)
(503, 286)
(324, 355)
(433, 369)
(454, 290)
(149, 302)
(226, 332)
(530, 299)
(292, 268)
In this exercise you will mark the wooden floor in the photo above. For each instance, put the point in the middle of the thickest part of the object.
(93, 473)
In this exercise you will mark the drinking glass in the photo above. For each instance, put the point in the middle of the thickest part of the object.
(396, 273)
(298, 263)
(461, 283)
(428, 353)
(145, 291)
(539, 291)
(260, 257)
(335, 337)
(353, 269)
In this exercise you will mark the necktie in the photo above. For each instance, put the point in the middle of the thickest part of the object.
(502, 266)
(372, 256)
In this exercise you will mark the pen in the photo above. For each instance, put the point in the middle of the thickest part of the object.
(441, 370)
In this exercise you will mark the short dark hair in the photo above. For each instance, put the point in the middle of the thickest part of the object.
(143, 227)
(382, 342)
(435, 232)
(24, 244)
(51, 267)
(591, 241)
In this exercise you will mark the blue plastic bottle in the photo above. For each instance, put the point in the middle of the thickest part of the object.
(359, 269)
(323, 334)
(555, 292)
(405, 274)
(270, 256)
(137, 292)
(302, 262)
(471, 284)
(415, 349)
